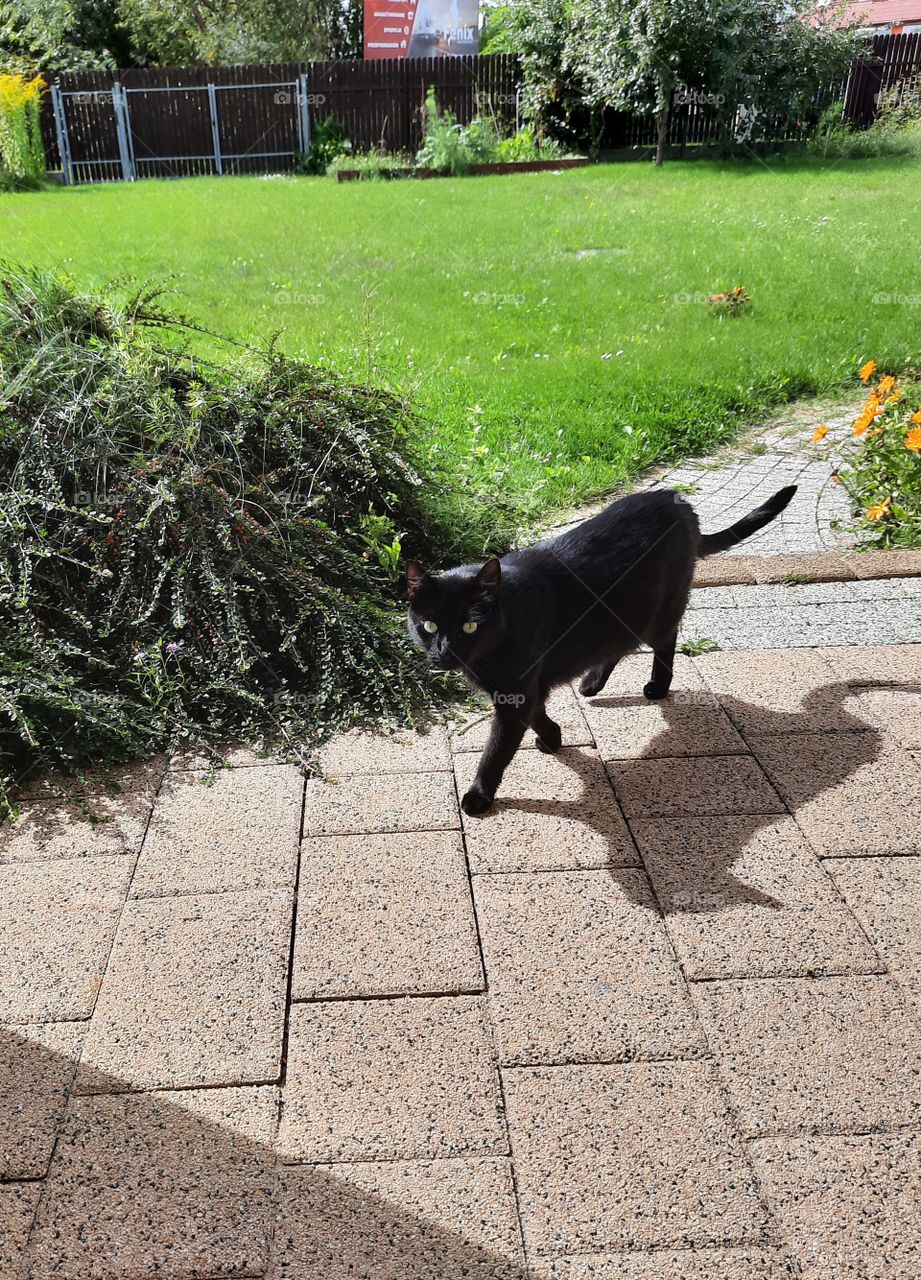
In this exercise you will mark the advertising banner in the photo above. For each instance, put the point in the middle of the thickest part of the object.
(421, 28)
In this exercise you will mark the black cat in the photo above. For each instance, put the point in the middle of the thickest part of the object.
(573, 605)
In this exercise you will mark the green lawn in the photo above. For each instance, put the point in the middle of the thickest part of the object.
(549, 326)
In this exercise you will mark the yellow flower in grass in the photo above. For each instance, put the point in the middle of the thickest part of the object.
(913, 440)
(879, 509)
(820, 433)
(867, 372)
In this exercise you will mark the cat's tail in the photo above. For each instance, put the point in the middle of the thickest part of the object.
(711, 543)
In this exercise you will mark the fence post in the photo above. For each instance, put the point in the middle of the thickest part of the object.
(120, 107)
(60, 129)
(215, 131)
(303, 115)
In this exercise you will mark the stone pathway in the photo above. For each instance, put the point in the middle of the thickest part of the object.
(657, 1017)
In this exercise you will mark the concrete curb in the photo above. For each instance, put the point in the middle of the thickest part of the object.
(826, 566)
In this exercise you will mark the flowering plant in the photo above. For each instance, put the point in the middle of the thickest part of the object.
(883, 471)
(731, 303)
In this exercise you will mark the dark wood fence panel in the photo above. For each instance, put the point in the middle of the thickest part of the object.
(891, 60)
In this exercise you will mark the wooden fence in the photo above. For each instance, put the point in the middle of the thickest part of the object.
(158, 123)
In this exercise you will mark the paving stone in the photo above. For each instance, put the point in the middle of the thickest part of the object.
(851, 793)
(37, 1066)
(801, 1055)
(57, 920)
(777, 692)
(172, 1184)
(688, 723)
(747, 897)
(402, 751)
(99, 818)
(563, 706)
(385, 915)
(684, 1264)
(897, 712)
(553, 812)
(240, 831)
(695, 786)
(18, 1201)
(641, 1156)
(194, 994)
(390, 1079)
(407, 1220)
(822, 566)
(901, 563)
(848, 1206)
(725, 570)
(400, 802)
(580, 969)
(96, 786)
(234, 755)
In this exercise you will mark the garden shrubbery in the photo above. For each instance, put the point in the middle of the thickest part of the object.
(191, 552)
(22, 153)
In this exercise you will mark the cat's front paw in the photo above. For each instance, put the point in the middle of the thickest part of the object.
(550, 738)
(655, 691)
(476, 802)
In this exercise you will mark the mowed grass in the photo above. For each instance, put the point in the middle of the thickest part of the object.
(551, 328)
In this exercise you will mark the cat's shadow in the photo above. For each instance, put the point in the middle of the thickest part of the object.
(709, 881)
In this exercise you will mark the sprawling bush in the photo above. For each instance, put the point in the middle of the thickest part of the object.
(896, 130)
(192, 552)
(22, 153)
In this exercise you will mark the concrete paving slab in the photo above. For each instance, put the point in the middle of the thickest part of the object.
(57, 920)
(171, 1184)
(402, 751)
(563, 706)
(240, 831)
(747, 897)
(18, 1202)
(885, 896)
(552, 813)
(580, 969)
(641, 1156)
(194, 994)
(390, 1080)
(695, 786)
(385, 915)
(355, 804)
(97, 826)
(37, 1067)
(408, 1220)
(684, 1264)
(851, 793)
(807, 1055)
(777, 692)
(847, 1206)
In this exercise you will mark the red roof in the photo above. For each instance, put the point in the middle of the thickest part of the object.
(883, 13)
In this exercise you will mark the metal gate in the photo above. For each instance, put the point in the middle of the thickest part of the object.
(118, 133)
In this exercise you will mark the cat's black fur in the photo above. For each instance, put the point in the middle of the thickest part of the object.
(571, 606)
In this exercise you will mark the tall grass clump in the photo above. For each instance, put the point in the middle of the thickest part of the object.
(896, 130)
(22, 153)
(192, 553)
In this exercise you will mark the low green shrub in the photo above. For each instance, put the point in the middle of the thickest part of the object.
(192, 552)
(327, 144)
(896, 131)
(22, 153)
(384, 165)
(525, 145)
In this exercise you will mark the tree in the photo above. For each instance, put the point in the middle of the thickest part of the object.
(636, 55)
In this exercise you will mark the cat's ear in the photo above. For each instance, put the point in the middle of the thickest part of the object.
(415, 575)
(490, 576)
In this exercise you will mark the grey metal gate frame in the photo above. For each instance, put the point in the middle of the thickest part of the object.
(128, 161)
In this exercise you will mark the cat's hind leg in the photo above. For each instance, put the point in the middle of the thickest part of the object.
(549, 733)
(595, 679)
(663, 662)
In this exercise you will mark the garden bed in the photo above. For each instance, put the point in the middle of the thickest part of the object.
(475, 170)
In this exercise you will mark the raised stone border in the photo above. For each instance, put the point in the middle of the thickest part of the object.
(824, 566)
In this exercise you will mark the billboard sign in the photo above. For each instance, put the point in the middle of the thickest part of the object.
(421, 28)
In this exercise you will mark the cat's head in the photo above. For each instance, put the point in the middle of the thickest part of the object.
(454, 615)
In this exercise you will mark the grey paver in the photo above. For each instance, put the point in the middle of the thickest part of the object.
(640, 1156)
(390, 1079)
(806, 1055)
(747, 897)
(354, 804)
(385, 915)
(415, 1220)
(580, 969)
(694, 786)
(37, 1066)
(173, 1184)
(402, 751)
(777, 692)
(552, 812)
(57, 920)
(194, 994)
(238, 832)
(847, 1206)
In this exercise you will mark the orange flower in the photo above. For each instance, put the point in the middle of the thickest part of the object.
(864, 421)
(867, 372)
(913, 440)
(895, 397)
(885, 386)
(915, 417)
(879, 509)
(820, 433)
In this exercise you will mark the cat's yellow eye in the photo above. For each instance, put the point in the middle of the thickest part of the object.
(469, 628)
(429, 626)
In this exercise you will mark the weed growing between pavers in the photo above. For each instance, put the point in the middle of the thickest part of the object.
(195, 552)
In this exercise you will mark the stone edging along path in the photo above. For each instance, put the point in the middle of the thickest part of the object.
(822, 566)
